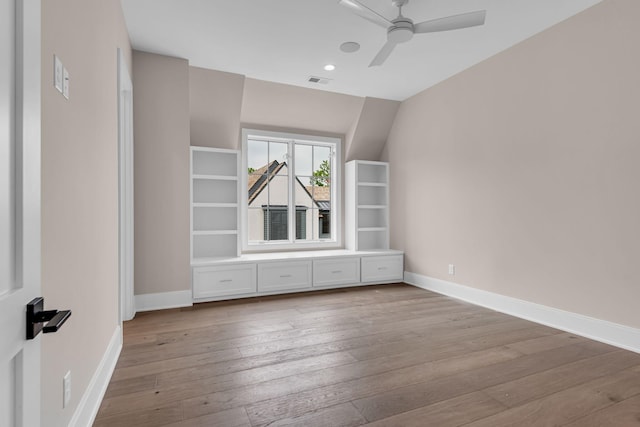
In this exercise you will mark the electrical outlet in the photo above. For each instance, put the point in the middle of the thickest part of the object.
(65, 83)
(58, 73)
(66, 389)
(452, 270)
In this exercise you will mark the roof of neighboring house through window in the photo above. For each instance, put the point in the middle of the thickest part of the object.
(259, 179)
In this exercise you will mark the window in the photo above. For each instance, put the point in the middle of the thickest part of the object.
(291, 190)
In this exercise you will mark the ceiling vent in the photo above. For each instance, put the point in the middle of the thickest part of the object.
(318, 80)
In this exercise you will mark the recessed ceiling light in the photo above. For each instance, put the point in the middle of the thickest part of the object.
(349, 47)
(329, 67)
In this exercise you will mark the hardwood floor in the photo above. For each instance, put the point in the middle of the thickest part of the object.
(389, 355)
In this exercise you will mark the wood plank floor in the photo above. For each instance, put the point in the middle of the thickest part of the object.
(389, 355)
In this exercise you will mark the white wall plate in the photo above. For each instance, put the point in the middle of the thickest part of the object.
(57, 73)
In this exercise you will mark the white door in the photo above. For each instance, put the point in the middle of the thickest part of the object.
(19, 209)
(125, 162)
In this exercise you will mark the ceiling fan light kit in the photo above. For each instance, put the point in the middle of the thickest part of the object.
(402, 29)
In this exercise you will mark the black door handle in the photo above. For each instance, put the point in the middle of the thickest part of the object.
(37, 316)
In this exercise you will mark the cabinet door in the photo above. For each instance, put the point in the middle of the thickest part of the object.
(284, 276)
(210, 282)
(382, 268)
(336, 271)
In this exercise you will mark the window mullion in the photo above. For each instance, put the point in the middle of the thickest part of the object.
(292, 202)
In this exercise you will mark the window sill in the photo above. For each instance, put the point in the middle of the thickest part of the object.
(290, 247)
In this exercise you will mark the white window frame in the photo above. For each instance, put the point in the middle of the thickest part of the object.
(336, 194)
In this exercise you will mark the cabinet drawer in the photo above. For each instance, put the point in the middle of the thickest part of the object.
(283, 276)
(339, 271)
(224, 280)
(382, 268)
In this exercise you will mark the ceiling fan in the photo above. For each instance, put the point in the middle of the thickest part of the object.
(402, 29)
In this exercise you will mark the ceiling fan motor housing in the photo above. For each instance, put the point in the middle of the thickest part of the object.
(401, 31)
(399, 3)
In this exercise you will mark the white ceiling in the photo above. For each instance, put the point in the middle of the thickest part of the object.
(287, 41)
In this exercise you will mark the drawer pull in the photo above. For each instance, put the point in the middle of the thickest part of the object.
(336, 271)
(285, 275)
(226, 280)
(382, 268)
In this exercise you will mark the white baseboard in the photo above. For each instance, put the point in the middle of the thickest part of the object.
(89, 405)
(600, 330)
(164, 300)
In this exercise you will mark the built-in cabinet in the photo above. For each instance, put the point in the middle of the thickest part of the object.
(336, 272)
(215, 204)
(219, 271)
(224, 280)
(367, 205)
(276, 273)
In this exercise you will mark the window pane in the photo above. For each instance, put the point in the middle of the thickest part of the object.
(301, 223)
(255, 223)
(278, 191)
(313, 191)
(257, 156)
(257, 193)
(276, 223)
(322, 199)
(278, 152)
(277, 206)
(304, 160)
(321, 165)
(324, 224)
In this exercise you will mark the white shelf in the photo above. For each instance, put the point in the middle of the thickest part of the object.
(215, 197)
(367, 209)
(213, 232)
(372, 172)
(214, 162)
(216, 177)
(372, 184)
(214, 191)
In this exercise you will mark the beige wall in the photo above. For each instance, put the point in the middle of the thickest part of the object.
(369, 133)
(79, 193)
(523, 170)
(215, 100)
(161, 173)
(268, 105)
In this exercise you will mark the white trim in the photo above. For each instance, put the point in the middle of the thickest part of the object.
(604, 331)
(164, 300)
(127, 307)
(336, 192)
(89, 405)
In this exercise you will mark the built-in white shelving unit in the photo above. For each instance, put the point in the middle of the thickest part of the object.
(367, 205)
(219, 271)
(215, 200)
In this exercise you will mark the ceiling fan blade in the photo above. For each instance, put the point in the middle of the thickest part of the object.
(455, 22)
(366, 13)
(383, 54)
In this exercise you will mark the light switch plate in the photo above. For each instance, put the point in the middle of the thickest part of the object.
(57, 73)
(65, 83)
(66, 389)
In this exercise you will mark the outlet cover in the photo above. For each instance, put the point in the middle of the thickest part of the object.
(452, 270)
(66, 389)
(57, 73)
(65, 83)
